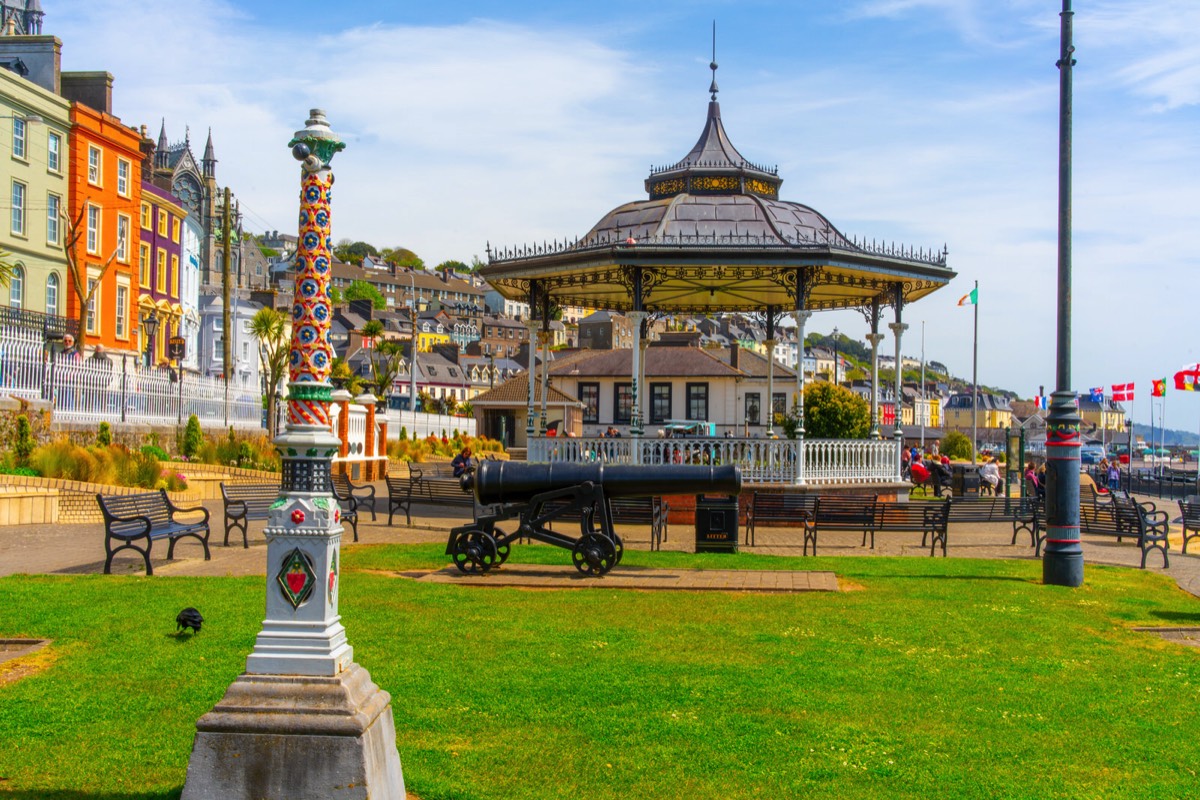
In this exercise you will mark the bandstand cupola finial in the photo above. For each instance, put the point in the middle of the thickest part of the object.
(713, 64)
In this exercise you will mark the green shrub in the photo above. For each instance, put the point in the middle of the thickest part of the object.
(104, 435)
(956, 445)
(830, 412)
(193, 437)
(23, 446)
(156, 451)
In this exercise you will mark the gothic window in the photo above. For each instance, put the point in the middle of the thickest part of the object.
(186, 190)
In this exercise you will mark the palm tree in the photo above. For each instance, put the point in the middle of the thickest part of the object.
(386, 358)
(270, 328)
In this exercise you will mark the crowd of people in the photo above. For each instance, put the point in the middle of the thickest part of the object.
(931, 468)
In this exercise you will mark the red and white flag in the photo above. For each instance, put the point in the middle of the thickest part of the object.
(1122, 392)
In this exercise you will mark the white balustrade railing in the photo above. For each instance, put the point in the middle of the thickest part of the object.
(111, 389)
(826, 461)
(427, 424)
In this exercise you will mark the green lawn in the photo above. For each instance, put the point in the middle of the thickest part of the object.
(938, 678)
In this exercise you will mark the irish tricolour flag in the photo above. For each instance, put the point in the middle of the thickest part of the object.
(970, 298)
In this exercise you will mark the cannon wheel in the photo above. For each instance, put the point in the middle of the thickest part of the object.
(503, 549)
(619, 546)
(594, 554)
(475, 551)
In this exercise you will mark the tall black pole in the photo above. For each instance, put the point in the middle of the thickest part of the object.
(1062, 564)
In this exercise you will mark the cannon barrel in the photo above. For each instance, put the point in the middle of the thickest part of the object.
(517, 481)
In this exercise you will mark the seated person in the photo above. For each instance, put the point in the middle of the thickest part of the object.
(940, 470)
(989, 474)
(461, 462)
(918, 472)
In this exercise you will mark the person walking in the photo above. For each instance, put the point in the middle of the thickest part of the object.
(1114, 475)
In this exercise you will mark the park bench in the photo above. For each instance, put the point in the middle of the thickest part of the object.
(244, 502)
(1127, 518)
(650, 511)
(349, 506)
(783, 507)
(400, 495)
(364, 495)
(1189, 517)
(826, 512)
(930, 519)
(1021, 512)
(436, 484)
(129, 518)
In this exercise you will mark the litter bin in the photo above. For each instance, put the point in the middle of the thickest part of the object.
(964, 479)
(716, 524)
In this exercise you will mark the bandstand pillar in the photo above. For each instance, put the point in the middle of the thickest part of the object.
(544, 341)
(303, 720)
(898, 328)
(771, 372)
(636, 318)
(801, 316)
(530, 415)
(875, 337)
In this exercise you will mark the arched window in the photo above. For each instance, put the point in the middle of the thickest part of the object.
(52, 293)
(16, 287)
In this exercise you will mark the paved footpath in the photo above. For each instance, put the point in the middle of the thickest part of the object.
(79, 549)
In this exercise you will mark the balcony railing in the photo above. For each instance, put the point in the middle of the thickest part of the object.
(762, 461)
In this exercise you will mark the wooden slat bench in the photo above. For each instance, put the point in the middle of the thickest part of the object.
(364, 495)
(400, 495)
(650, 511)
(244, 502)
(1021, 512)
(1127, 519)
(1189, 512)
(784, 507)
(147, 515)
(929, 519)
(437, 485)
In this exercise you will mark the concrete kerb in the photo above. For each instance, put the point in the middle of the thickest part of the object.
(79, 548)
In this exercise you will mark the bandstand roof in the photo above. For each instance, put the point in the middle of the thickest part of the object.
(714, 236)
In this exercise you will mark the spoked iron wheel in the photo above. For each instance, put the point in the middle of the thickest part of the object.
(619, 546)
(475, 551)
(594, 554)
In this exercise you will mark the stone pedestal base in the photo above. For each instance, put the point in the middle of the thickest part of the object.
(291, 737)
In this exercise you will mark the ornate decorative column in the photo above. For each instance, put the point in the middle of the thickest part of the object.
(801, 318)
(530, 416)
(875, 337)
(544, 346)
(898, 328)
(771, 372)
(643, 343)
(636, 319)
(304, 720)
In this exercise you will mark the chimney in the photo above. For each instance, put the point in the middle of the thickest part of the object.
(37, 59)
(92, 89)
(364, 308)
(734, 349)
(447, 350)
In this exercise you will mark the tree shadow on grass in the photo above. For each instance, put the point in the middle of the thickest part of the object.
(1178, 616)
(1011, 578)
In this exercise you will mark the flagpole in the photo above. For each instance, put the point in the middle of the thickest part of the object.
(924, 407)
(975, 382)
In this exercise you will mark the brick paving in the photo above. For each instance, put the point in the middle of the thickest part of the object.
(79, 549)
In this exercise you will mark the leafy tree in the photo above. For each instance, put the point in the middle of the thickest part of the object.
(831, 412)
(361, 290)
(269, 326)
(23, 447)
(956, 445)
(476, 264)
(335, 295)
(353, 252)
(343, 377)
(193, 437)
(6, 268)
(403, 257)
(386, 358)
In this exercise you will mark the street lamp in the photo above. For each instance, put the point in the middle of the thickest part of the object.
(836, 359)
(412, 361)
(150, 323)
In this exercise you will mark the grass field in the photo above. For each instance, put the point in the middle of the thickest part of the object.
(933, 678)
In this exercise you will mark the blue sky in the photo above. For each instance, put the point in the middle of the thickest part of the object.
(919, 121)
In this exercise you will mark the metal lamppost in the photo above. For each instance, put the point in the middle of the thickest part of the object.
(304, 719)
(836, 359)
(412, 361)
(177, 351)
(150, 323)
(1062, 563)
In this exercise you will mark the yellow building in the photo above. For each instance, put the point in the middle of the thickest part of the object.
(1106, 415)
(994, 412)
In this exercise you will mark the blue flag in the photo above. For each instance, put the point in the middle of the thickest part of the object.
(1097, 395)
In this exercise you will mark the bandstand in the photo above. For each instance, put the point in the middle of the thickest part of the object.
(713, 236)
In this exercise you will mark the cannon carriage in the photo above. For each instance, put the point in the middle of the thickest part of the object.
(533, 496)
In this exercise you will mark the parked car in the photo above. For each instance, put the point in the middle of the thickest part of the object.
(1092, 454)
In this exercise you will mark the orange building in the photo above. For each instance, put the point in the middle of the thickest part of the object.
(104, 206)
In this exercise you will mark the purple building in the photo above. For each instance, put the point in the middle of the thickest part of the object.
(159, 259)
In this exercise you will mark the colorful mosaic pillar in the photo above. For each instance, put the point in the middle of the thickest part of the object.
(303, 720)
(1062, 560)
(303, 634)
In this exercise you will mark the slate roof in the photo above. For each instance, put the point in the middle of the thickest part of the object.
(661, 362)
(515, 391)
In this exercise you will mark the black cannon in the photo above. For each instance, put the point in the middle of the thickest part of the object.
(534, 495)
